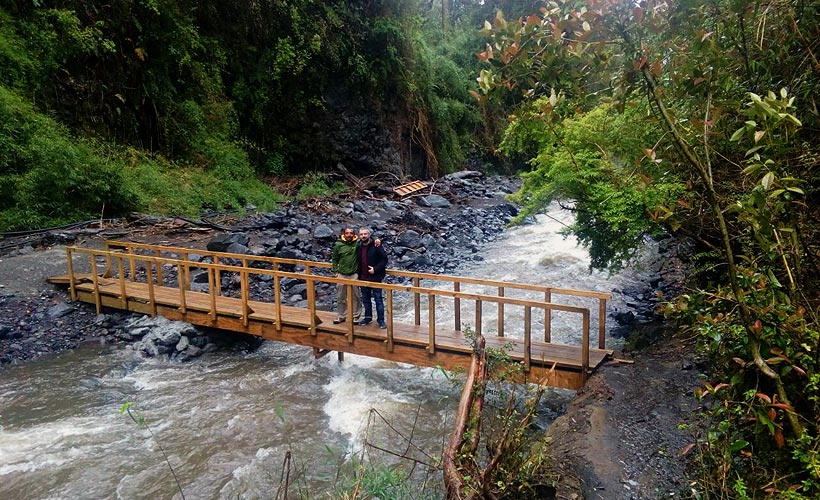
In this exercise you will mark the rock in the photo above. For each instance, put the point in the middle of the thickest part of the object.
(221, 242)
(236, 248)
(409, 239)
(434, 201)
(59, 310)
(624, 318)
(422, 220)
(324, 232)
(183, 344)
(464, 174)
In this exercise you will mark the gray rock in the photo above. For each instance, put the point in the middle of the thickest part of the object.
(221, 242)
(410, 239)
(236, 248)
(183, 344)
(59, 310)
(421, 219)
(464, 174)
(323, 232)
(434, 201)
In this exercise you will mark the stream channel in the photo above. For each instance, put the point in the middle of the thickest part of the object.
(227, 419)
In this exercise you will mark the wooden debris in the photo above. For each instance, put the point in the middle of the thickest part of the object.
(410, 187)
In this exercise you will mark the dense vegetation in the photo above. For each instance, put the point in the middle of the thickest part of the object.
(698, 117)
(172, 107)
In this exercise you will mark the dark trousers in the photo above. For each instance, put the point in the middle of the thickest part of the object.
(376, 294)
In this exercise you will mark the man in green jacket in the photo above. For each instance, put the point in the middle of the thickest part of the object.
(345, 265)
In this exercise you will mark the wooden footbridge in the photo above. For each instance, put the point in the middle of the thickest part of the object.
(156, 280)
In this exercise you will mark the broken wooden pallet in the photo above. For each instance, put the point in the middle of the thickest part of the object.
(410, 187)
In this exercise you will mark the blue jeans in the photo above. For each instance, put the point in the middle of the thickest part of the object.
(376, 293)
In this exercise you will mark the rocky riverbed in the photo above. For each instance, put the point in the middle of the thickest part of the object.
(620, 437)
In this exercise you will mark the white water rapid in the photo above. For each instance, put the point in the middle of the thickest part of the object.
(226, 420)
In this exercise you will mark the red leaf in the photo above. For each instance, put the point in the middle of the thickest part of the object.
(686, 449)
(640, 63)
(778, 437)
(764, 397)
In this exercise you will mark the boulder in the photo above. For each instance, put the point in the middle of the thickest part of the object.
(324, 232)
(434, 201)
(409, 239)
(221, 242)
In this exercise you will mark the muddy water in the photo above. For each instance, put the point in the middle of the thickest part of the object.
(226, 420)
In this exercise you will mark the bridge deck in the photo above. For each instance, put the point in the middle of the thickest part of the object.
(560, 365)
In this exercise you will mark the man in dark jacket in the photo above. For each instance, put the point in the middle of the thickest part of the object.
(372, 261)
(345, 265)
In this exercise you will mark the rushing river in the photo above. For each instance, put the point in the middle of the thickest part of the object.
(226, 420)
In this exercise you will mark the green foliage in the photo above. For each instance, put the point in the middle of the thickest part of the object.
(315, 185)
(603, 162)
(49, 177)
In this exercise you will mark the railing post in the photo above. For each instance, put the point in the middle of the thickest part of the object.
(457, 306)
(478, 317)
(349, 323)
(527, 337)
(601, 323)
(187, 283)
(212, 292)
(157, 254)
(389, 306)
(132, 263)
(501, 313)
(585, 347)
(149, 276)
(97, 298)
(183, 306)
(123, 293)
(70, 264)
(244, 293)
(311, 297)
(431, 320)
(217, 275)
(277, 296)
(417, 302)
(547, 318)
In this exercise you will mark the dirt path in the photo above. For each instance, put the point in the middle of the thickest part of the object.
(622, 436)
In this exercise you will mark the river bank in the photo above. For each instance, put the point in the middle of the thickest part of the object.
(618, 439)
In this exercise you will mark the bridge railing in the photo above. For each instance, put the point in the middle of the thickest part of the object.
(144, 263)
(456, 282)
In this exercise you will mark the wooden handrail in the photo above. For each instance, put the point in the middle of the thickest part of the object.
(214, 268)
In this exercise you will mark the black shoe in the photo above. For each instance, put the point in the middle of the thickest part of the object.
(337, 321)
(365, 322)
(383, 326)
(357, 322)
